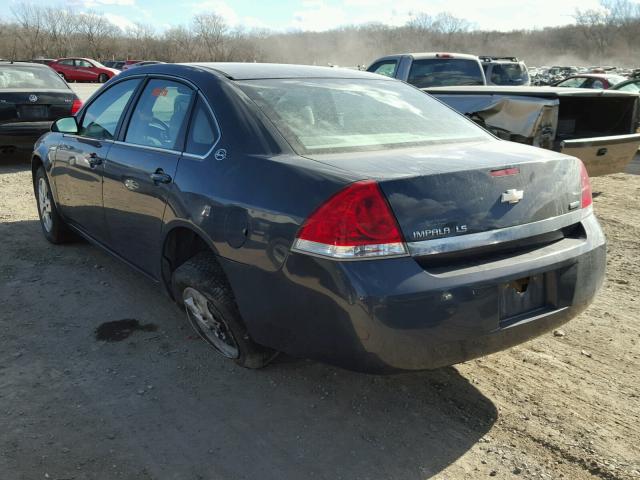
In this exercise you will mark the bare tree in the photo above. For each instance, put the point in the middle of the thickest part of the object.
(609, 33)
(30, 20)
(60, 26)
(595, 26)
(143, 40)
(96, 31)
(181, 45)
(210, 30)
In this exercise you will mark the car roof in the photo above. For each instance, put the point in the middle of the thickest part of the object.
(19, 63)
(427, 55)
(76, 58)
(595, 75)
(254, 71)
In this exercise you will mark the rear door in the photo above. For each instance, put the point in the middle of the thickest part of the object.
(79, 159)
(85, 71)
(65, 67)
(140, 169)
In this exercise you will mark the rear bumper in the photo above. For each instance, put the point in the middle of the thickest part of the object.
(18, 139)
(393, 315)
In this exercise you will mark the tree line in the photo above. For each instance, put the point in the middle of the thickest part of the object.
(605, 36)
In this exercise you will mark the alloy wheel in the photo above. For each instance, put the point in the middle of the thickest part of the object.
(44, 204)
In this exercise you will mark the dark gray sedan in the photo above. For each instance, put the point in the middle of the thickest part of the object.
(325, 213)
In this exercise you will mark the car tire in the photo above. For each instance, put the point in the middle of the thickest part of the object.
(103, 77)
(54, 228)
(199, 285)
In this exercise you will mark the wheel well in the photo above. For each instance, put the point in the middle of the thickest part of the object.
(180, 245)
(36, 163)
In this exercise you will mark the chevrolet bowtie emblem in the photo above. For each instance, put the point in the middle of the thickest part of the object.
(512, 196)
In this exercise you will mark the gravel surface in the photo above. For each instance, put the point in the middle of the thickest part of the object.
(153, 402)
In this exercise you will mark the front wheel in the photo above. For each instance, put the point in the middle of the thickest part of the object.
(198, 285)
(53, 227)
(103, 78)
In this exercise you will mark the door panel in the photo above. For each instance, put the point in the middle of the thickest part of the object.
(79, 160)
(84, 70)
(77, 174)
(139, 172)
(134, 203)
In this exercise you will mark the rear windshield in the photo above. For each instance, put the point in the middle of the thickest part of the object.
(616, 79)
(445, 72)
(342, 115)
(630, 87)
(509, 74)
(24, 76)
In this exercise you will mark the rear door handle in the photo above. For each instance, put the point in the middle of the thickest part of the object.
(94, 160)
(160, 177)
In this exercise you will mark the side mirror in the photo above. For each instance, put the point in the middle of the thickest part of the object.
(65, 125)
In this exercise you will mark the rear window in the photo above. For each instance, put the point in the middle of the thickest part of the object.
(509, 74)
(616, 79)
(343, 115)
(23, 76)
(444, 72)
(630, 87)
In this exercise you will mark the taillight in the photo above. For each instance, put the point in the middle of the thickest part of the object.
(75, 106)
(585, 184)
(356, 222)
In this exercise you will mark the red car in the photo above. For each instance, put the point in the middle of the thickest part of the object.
(591, 80)
(82, 70)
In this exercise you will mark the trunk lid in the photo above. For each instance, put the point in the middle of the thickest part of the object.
(22, 105)
(457, 189)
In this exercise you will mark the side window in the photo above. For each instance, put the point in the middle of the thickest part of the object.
(594, 83)
(102, 116)
(631, 87)
(203, 132)
(387, 68)
(573, 82)
(498, 74)
(68, 63)
(159, 119)
(83, 63)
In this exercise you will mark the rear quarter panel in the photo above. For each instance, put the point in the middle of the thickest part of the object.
(250, 203)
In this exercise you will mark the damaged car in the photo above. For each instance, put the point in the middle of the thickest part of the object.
(326, 213)
(598, 126)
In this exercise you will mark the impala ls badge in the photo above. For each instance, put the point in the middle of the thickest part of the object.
(33, 98)
(512, 196)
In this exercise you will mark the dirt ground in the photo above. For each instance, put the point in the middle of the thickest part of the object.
(161, 405)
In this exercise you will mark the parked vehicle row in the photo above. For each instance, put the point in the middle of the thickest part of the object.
(407, 238)
(89, 70)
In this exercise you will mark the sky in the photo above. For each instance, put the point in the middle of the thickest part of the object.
(319, 15)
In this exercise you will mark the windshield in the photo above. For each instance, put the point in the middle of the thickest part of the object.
(509, 74)
(445, 72)
(342, 115)
(25, 76)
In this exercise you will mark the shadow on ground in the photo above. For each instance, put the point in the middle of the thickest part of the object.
(10, 164)
(162, 404)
